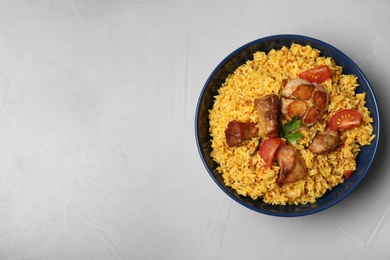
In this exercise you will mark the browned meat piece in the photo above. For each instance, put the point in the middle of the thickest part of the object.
(303, 91)
(312, 116)
(307, 100)
(298, 89)
(292, 166)
(320, 98)
(268, 108)
(325, 141)
(238, 132)
(293, 107)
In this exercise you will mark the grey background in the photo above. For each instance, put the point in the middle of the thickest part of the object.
(97, 150)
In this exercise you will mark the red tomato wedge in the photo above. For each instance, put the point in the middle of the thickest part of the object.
(345, 119)
(318, 74)
(348, 174)
(267, 150)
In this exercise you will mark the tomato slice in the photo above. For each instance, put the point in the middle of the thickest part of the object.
(267, 150)
(345, 119)
(318, 74)
(348, 174)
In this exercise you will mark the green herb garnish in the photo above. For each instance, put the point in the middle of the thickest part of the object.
(287, 130)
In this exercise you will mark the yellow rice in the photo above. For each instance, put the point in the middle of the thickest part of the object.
(266, 74)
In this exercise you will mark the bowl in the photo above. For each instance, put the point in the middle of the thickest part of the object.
(239, 57)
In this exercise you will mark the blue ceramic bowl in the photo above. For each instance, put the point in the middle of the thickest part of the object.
(237, 58)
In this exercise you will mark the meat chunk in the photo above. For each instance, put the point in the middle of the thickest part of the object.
(268, 108)
(238, 132)
(307, 100)
(320, 98)
(293, 107)
(325, 141)
(298, 89)
(312, 116)
(292, 165)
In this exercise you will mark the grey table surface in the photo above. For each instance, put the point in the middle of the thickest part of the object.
(98, 158)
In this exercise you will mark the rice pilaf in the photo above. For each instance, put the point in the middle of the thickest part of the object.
(242, 167)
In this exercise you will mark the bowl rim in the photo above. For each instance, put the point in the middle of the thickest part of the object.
(362, 77)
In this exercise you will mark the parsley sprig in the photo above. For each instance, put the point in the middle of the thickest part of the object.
(288, 130)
